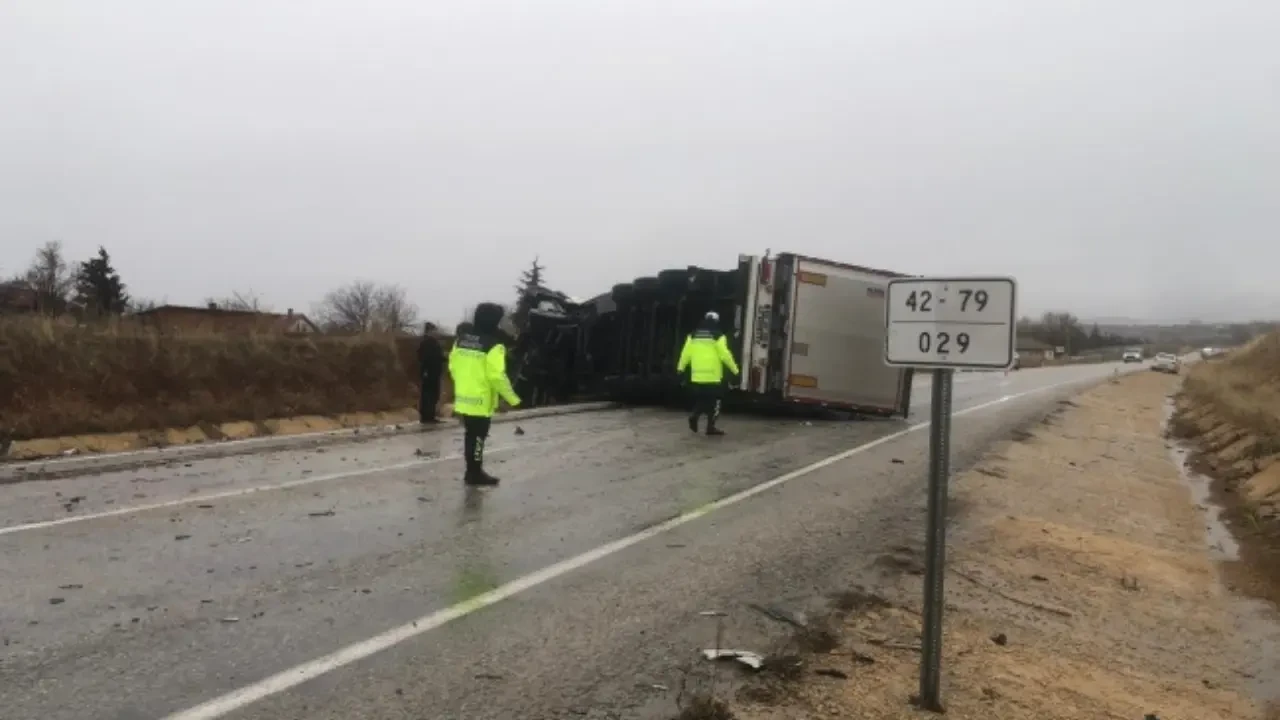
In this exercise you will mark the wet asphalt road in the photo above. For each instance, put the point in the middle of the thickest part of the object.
(210, 577)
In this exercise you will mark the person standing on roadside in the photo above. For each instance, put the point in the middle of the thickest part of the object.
(706, 355)
(478, 366)
(430, 372)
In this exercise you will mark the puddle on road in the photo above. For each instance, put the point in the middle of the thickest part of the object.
(1256, 622)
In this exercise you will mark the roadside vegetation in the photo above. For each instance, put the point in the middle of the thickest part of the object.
(1243, 388)
(1229, 412)
(60, 378)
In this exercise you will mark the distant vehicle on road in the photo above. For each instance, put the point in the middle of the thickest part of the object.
(1167, 362)
(1210, 352)
(1132, 355)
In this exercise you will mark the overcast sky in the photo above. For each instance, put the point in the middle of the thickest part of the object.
(1119, 157)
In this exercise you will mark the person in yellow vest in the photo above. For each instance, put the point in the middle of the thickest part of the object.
(478, 366)
(706, 355)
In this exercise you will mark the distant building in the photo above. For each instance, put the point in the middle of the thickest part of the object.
(17, 296)
(215, 320)
(1029, 347)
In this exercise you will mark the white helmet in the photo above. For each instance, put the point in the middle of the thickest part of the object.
(713, 316)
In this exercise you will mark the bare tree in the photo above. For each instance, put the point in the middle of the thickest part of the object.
(366, 307)
(247, 301)
(394, 311)
(50, 277)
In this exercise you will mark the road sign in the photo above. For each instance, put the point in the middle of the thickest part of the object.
(951, 323)
(945, 324)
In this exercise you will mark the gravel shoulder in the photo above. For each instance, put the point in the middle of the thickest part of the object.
(1079, 585)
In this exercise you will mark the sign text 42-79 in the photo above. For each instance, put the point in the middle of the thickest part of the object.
(958, 322)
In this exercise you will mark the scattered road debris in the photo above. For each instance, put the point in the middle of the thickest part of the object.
(73, 586)
(231, 619)
(1000, 639)
(322, 513)
(755, 661)
(57, 601)
(519, 430)
(181, 537)
(780, 615)
(832, 672)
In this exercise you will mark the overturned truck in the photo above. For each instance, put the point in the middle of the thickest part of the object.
(805, 332)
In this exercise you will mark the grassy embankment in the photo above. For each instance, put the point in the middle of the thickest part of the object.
(1229, 410)
(59, 380)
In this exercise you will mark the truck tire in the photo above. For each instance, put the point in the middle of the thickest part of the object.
(704, 281)
(677, 280)
(647, 285)
(623, 293)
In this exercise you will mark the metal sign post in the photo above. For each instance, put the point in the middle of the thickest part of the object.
(936, 542)
(944, 324)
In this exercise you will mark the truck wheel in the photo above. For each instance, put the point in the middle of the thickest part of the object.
(647, 284)
(623, 293)
(677, 280)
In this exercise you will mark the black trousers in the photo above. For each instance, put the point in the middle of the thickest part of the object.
(428, 396)
(706, 401)
(475, 430)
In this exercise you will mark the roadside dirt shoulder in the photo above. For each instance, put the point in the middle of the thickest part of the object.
(1228, 413)
(1079, 585)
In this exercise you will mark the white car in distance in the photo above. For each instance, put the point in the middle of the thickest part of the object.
(1167, 362)
(1132, 355)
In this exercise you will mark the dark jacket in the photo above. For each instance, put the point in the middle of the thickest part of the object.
(430, 357)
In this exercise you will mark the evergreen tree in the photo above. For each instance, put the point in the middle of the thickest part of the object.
(529, 286)
(98, 288)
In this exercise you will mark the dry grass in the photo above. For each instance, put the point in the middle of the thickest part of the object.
(57, 379)
(1243, 388)
(1079, 586)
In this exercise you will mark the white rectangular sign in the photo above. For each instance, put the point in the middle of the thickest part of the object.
(951, 322)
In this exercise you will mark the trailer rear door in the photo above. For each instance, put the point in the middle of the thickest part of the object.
(837, 338)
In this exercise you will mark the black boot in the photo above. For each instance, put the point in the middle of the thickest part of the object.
(475, 465)
(693, 423)
(478, 477)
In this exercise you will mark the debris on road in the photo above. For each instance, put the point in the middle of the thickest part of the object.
(322, 513)
(519, 430)
(832, 672)
(755, 661)
(1000, 639)
(181, 537)
(57, 601)
(230, 619)
(780, 615)
(73, 586)
(899, 461)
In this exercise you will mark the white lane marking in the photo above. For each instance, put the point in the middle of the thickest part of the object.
(239, 492)
(281, 681)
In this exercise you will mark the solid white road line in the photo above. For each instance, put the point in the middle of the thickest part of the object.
(238, 492)
(282, 681)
